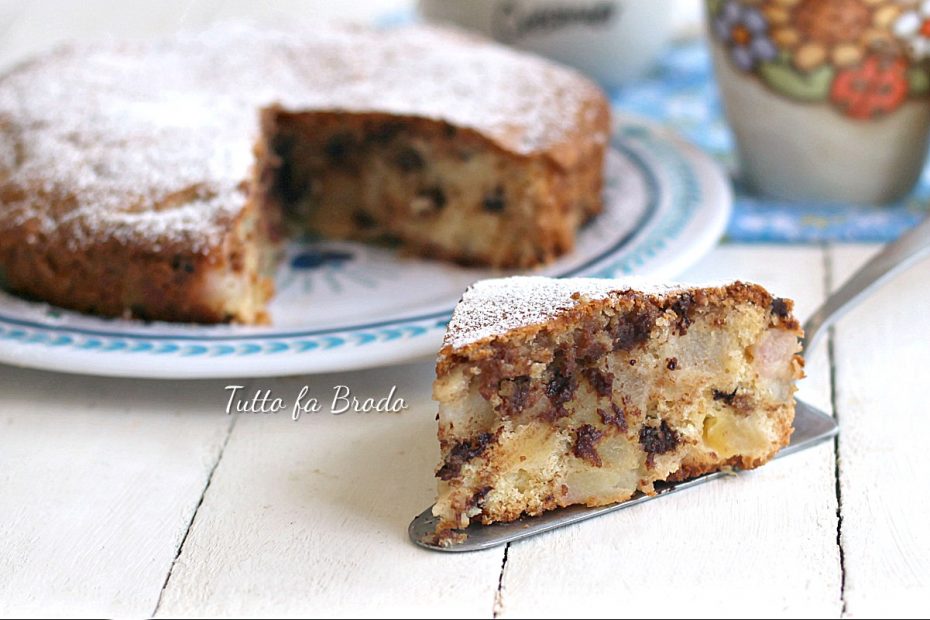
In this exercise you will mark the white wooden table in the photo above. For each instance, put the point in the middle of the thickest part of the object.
(134, 498)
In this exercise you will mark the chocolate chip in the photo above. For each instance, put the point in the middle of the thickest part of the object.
(560, 390)
(515, 395)
(520, 393)
(179, 263)
(339, 147)
(741, 403)
(671, 363)
(657, 440)
(726, 397)
(781, 308)
(409, 160)
(290, 185)
(684, 308)
(590, 350)
(363, 220)
(384, 133)
(615, 417)
(477, 499)
(461, 453)
(601, 383)
(586, 438)
(283, 144)
(634, 328)
(494, 201)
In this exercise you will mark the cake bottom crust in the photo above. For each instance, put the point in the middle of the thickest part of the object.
(228, 282)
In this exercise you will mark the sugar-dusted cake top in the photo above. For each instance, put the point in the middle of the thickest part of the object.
(150, 143)
(494, 307)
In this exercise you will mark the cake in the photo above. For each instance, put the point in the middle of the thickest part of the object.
(586, 391)
(157, 180)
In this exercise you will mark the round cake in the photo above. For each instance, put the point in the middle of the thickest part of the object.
(156, 180)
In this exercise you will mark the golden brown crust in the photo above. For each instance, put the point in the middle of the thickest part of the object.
(114, 279)
(622, 299)
(127, 196)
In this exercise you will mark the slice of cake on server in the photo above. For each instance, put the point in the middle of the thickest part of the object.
(585, 391)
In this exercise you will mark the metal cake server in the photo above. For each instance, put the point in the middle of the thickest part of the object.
(811, 426)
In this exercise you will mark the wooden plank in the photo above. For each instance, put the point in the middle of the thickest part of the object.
(310, 517)
(99, 479)
(760, 543)
(884, 464)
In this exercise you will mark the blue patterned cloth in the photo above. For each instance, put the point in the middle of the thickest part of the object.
(681, 94)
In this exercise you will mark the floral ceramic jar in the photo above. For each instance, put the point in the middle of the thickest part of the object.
(828, 99)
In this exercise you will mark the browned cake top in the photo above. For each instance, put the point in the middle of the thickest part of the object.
(499, 310)
(150, 143)
(494, 307)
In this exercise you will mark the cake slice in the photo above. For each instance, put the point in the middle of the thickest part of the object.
(585, 391)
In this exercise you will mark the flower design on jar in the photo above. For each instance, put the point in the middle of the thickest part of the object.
(913, 27)
(835, 32)
(864, 57)
(876, 87)
(745, 31)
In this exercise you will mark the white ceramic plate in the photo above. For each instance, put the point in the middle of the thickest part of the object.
(343, 306)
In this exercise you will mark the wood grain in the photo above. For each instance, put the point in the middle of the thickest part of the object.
(759, 543)
(310, 517)
(881, 377)
(99, 479)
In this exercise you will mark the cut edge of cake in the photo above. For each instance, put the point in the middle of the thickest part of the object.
(587, 391)
(136, 212)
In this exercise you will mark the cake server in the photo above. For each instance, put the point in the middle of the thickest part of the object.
(811, 425)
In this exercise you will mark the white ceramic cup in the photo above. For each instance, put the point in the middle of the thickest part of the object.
(613, 41)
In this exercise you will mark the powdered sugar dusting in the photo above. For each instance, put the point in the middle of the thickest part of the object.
(98, 142)
(494, 307)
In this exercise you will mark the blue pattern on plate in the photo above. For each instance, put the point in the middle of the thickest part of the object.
(128, 344)
(315, 258)
(682, 94)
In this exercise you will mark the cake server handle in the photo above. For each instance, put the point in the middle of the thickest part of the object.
(891, 260)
